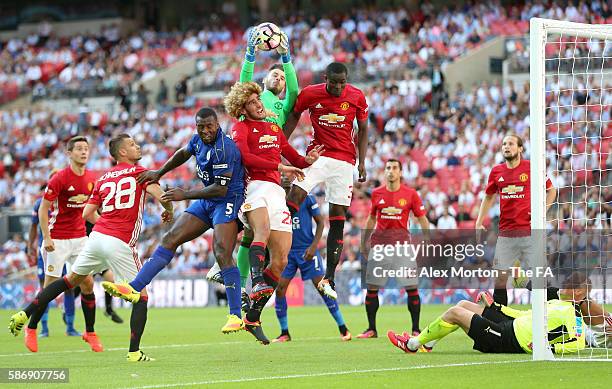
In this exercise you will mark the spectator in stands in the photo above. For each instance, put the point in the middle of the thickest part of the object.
(446, 221)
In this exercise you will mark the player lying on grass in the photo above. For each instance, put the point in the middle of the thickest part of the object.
(264, 209)
(120, 201)
(216, 206)
(497, 328)
(305, 256)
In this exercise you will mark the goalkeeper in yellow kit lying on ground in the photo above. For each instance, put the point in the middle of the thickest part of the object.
(497, 328)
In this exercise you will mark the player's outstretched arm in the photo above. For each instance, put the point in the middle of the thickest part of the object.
(290, 75)
(248, 65)
(362, 146)
(181, 156)
(212, 191)
(156, 191)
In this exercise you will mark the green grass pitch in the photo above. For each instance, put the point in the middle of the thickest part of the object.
(190, 351)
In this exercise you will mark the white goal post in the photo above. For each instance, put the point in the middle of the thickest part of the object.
(553, 70)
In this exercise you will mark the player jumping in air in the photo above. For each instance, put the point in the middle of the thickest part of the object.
(264, 210)
(279, 78)
(511, 180)
(63, 231)
(305, 256)
(120, 201)
(333, 106)
(388, 224)
(218, 166)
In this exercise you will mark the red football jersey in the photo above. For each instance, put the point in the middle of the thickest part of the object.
(332, 118)
(68, 194)
(261, 145)
(121, 201)
(392, 210)
(513, 186)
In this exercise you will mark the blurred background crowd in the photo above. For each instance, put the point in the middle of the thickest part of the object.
(447, 140)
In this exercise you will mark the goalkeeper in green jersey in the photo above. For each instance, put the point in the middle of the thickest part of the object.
(496, 328)
(279, 78)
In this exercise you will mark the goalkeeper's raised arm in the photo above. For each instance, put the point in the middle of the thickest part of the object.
(278, 78)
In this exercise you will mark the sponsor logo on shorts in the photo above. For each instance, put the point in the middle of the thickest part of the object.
(523, 177)
(490, 331)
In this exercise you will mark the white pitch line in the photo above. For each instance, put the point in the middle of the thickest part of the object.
(86, 350)
(331, 373)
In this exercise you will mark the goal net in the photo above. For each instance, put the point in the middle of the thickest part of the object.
(570, 139)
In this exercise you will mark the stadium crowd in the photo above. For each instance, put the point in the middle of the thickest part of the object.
(447, 143)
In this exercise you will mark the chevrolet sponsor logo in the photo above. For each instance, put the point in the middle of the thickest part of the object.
(391, 211)
(512, 189)
(79, 199)
(332, 118)
(268, 138)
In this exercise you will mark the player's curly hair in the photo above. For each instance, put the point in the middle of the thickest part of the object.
(238, 96)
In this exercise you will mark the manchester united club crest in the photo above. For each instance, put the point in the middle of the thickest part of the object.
(344, 106)
(523, 177)
(90, 186)
(402, 202)
(275, 128)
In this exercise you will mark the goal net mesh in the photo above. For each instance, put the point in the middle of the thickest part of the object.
(578, 136)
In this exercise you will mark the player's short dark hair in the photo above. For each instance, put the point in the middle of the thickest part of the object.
(276, 66)
(115, 144)
(395, 160)
(336, 68)
(519, 140)
(74, 140)
(577, 280)
(205, 112)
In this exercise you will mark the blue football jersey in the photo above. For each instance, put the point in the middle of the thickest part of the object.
(217, 160)
(35, 219)
(303, 234)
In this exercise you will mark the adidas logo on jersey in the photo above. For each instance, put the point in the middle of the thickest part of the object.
(382, 201)
(318, 105)
(71, 188)
(255, 130)
(501, 179)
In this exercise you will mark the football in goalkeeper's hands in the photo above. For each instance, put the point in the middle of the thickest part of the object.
(269, 36)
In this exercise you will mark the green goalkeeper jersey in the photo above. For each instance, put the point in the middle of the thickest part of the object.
(565, 329)
(278, 110)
